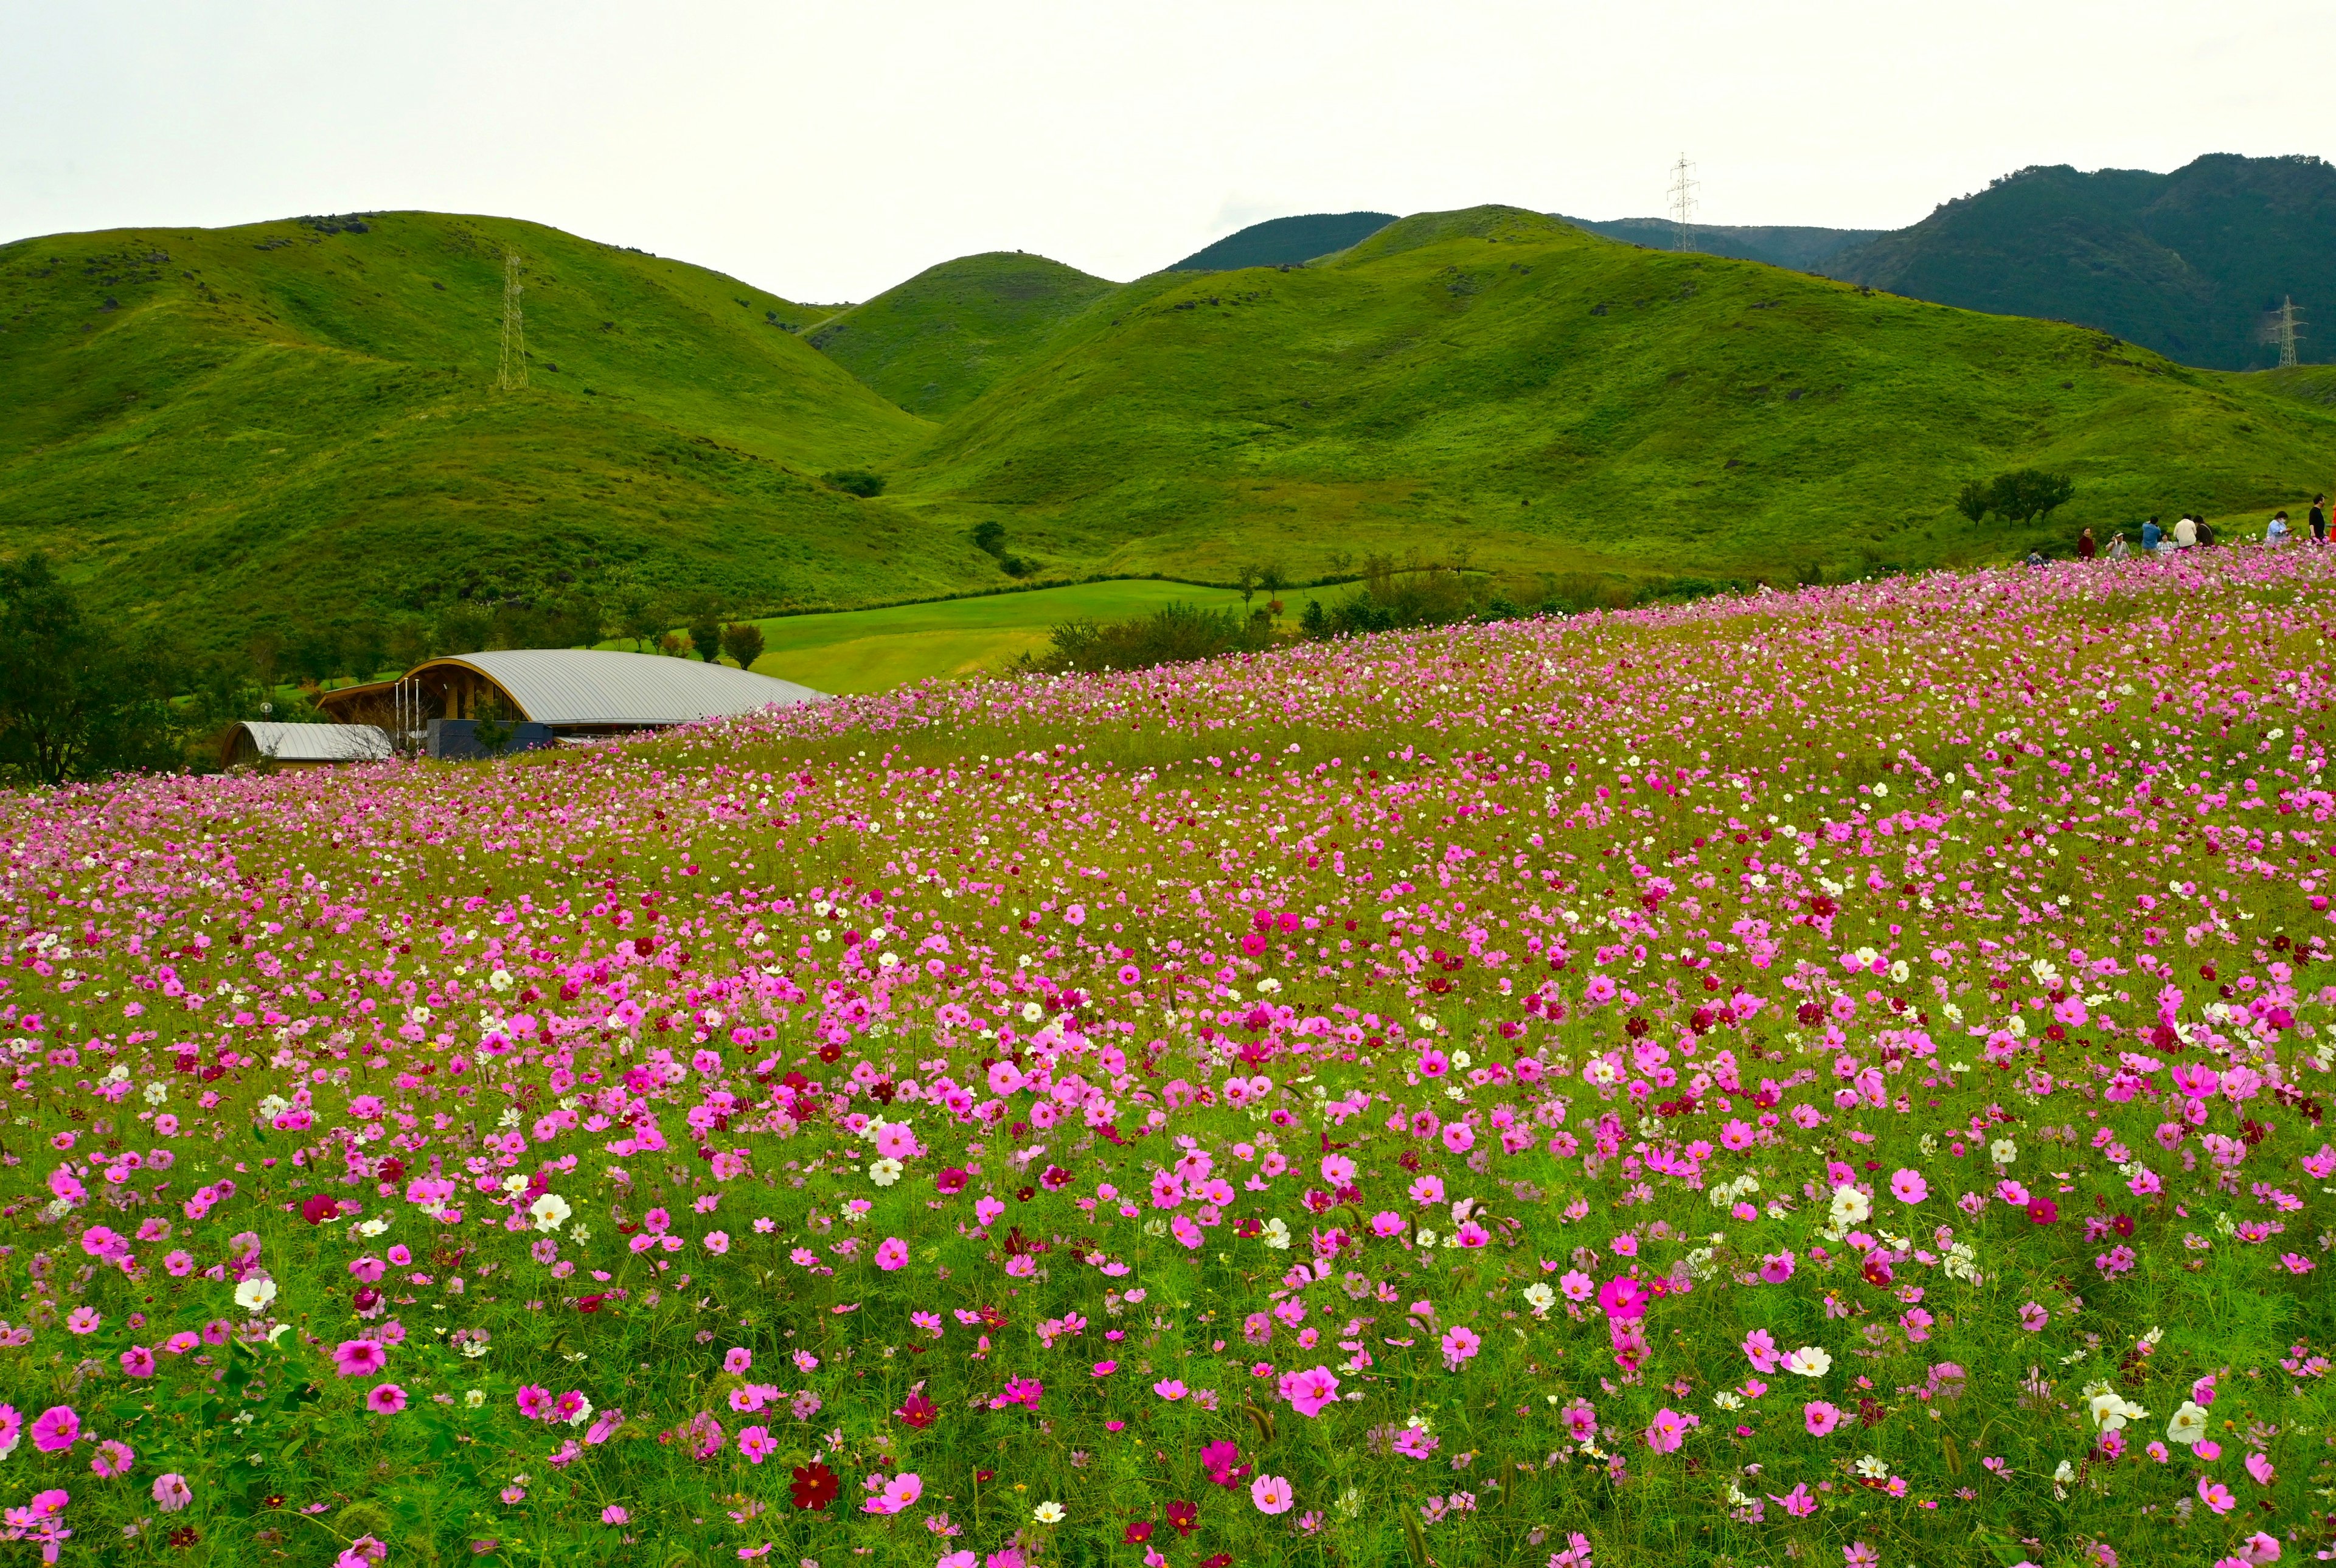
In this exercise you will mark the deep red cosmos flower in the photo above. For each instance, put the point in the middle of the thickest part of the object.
(814, 1485)
(1138, 1532)
(2043, 1210)
(917, 1411)
(1185, 1517)
(319, 1209)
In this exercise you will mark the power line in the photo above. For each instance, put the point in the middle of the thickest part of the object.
(513, 373)
(1684, 186)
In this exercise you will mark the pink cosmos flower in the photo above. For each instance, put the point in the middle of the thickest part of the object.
(138, 1361)
(891, 1254)
(114, 1458)
(1822, 1417)
(757, 1444)
(1798, 1502)
(738, 1360)
(535, 1402)
(84, 1319)
(55, 1429)
(1460, 1345)
(1909, 1187)
(2215, 1495)
(385, 1398)
(1310, 1392)
(171, 1492)
(614, 1514)
(717, 1242)
(359, 1358)
(2259, 1465)
(1761, 1350)
(2033, 1317)
(1271, 1493)
(1666, 1432)
(899, 1493)
(1623, 1299)
(1776, 1268)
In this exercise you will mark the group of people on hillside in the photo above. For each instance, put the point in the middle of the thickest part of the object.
(2190, 531)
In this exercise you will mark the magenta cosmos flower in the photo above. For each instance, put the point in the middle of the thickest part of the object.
(1909, 1187)
(385, 1398)
(55, 1429)
(359, 1358)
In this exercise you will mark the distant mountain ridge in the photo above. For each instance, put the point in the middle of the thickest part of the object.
(1285, 242)
(1800, 246)
(2186, 263)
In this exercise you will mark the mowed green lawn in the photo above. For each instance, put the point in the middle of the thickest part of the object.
(867, 651)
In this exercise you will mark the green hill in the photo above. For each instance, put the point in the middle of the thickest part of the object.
(2183, 263)
(936, 342)
(1799, 247)
(1498, 385)
(299, 422)
(1285, 242)
(251, 427)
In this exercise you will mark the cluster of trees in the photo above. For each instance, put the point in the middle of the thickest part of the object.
(989, 538)
(2020, 496)
(1173, 634)
(76, 699)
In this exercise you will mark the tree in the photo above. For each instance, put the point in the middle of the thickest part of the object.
(705, 633)
(368, 645)
(1273, 579)
(742, 640)
(855, 481)
(1245, 580)
(1974, 500)
(74, 702)
(2020, 496)
(645, 620)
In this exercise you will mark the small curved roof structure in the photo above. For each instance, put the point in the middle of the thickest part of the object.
(571, 688)
(253, 740)
(563, 685)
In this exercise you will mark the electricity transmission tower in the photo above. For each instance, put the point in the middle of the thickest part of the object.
(514, 374)
(1682, 204)
(2282, 327)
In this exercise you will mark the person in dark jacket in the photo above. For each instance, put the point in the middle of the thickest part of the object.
(2319, 519)
(2085, 549)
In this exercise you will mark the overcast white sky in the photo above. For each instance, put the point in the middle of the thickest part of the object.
(827, 149)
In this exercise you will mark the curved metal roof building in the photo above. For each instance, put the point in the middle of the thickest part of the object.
(570, 690)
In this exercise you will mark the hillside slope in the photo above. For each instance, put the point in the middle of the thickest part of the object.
(1497, 383)
(934, 344)
(1800, 246)
(245, 428)
(2183, 263)
(1285, 242)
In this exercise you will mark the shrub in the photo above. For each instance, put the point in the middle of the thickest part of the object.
(854, 482)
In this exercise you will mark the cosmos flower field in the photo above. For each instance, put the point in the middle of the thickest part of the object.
(1833, 1077)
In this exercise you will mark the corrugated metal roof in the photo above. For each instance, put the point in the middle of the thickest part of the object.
(561, 685)
(318, 742)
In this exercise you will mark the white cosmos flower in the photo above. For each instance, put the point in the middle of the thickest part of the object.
(1277, 1233)
(254, 1293)
(2003, 1150)
(884, 1172)
(1809, 1362)
(1849, 1206)
(1049, 1513)
(1540, 1299)
(2110, 1412)
(550, 1212)
(2188, 1425)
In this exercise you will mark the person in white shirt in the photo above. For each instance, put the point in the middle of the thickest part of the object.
(2275, 530)
(2186, 532)
(2117, 551)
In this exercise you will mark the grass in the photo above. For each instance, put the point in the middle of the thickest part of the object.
(874, 651)
(256, 428)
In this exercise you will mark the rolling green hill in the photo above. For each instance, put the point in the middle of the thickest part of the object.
(2183, 263)
(299, 422)
(1496, 383)
(256, 425)
(936, 342)
(1285, 242)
